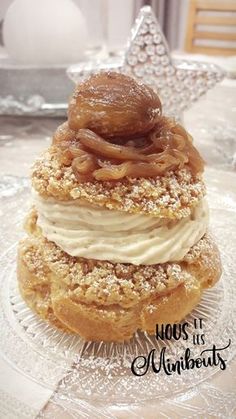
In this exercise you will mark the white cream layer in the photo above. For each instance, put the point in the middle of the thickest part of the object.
(99, 233)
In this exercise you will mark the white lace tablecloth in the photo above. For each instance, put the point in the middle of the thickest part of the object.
(212, 123)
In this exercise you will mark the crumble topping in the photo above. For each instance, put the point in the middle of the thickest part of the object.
(170, 196)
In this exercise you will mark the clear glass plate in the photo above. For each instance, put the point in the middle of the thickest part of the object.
(94, 371)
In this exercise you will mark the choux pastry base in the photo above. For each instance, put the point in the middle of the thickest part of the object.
(48, 289)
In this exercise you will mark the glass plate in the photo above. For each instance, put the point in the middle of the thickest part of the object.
(94, 371)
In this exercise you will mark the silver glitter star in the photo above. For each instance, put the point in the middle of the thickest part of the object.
(179, 83)
(147, 58)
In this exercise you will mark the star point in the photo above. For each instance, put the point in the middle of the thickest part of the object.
(147, 58)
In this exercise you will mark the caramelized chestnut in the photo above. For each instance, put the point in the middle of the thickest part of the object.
(114, 105)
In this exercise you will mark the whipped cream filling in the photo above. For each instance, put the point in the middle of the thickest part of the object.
(102, 234)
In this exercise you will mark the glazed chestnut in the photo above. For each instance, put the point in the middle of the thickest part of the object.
(114, 105)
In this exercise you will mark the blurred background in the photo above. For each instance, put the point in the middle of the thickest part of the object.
(40, 39)
(108, 22)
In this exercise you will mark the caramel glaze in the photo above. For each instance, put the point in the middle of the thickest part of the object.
(115, 129)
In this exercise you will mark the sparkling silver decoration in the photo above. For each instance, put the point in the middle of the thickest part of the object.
(179, 83)
(34, 105)
(32, 90)
(147, 58)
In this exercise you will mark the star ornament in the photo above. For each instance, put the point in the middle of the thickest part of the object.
(147, 58)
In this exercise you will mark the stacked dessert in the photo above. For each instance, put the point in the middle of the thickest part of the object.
(117, 235)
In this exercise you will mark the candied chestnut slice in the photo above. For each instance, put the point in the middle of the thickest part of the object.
(114, 105)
